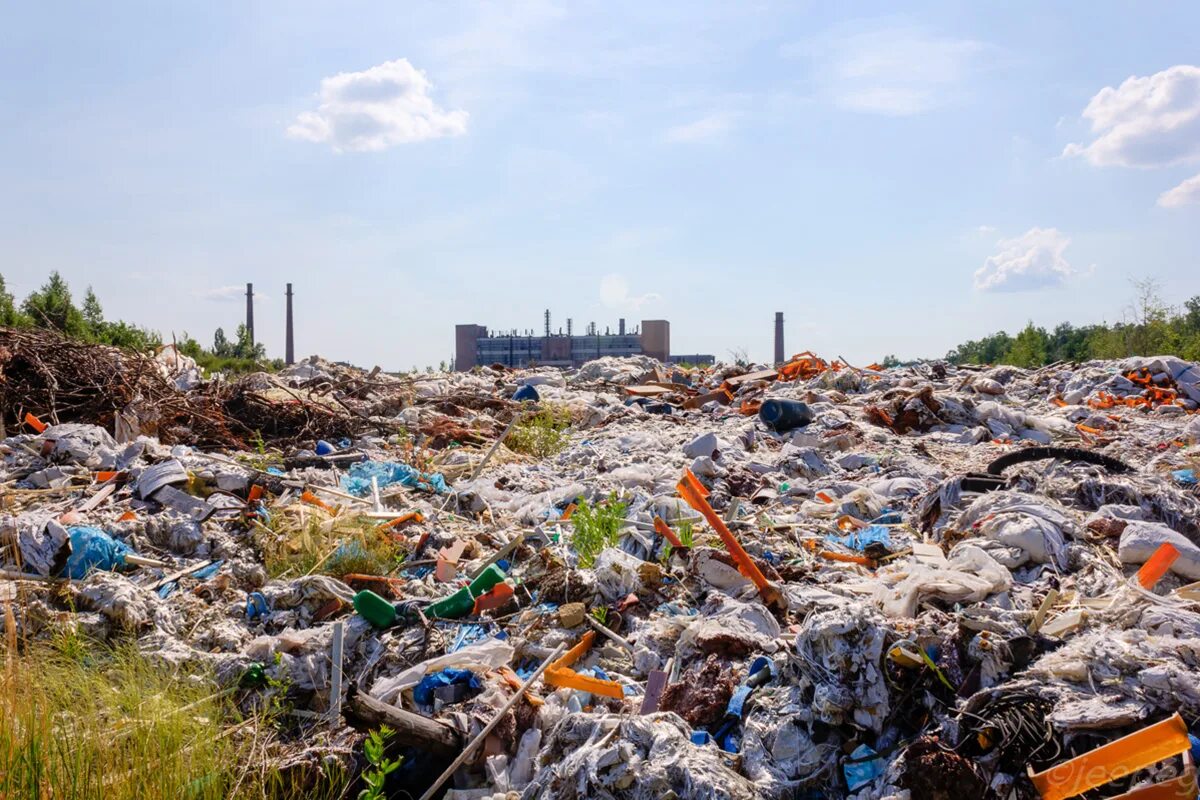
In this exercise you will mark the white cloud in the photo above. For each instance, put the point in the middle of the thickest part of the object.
(1033, 260)
(614, 293)
(895, 71)
(1185, 194)
(708, 127)
(1145, 122)
(386, 105)
(226, 294)
(985, 230)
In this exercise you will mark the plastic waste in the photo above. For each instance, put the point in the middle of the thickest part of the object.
(785, 415)
(462, 602)
(526, 392)
(92, 548)
(357, 481)
(324, 448)
(374, 609)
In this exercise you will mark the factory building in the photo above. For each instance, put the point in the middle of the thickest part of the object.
(475, 345)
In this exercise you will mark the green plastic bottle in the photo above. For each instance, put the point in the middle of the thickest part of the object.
(462, 602)
(374, 609)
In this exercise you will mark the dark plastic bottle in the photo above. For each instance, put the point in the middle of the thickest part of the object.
(785, 415)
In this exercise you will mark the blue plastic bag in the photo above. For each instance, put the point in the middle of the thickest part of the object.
(423, 691)
(357, 480)
(92, 548)
(861, 539)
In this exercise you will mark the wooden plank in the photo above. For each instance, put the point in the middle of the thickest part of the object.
(363, 711)
(761, 375)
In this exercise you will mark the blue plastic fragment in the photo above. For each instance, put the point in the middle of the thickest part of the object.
(343, 443)
(862, 769)
(275, 471)
(1184, 477)
(324, 448)
(888, 518)
(205, 573)
(701, 737)
(256, 605)
(92, 548)
(357, 480)
(861, 539)
(423, 691)
(526, 392)
(166, 589)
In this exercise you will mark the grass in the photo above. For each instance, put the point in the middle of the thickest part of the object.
(325, 546)
(541, 434)
(686, 532)
(80, 720)
(596, 527)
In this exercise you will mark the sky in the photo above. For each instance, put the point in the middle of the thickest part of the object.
(893, 182)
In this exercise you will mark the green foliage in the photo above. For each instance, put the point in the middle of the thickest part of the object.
(381, 766)
(1150, 327)
(1029, 348)
(596, 527)
(52, 307)
(541, 434)
(93, 314)
(9, 315)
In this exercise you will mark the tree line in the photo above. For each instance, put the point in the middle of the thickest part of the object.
(53, 307)
(1150, 327)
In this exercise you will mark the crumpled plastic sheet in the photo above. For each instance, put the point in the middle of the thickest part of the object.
(970, 575)
(357, 481)
(841, 652)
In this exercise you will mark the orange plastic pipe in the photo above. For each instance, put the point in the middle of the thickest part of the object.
(695, 494)
(664, 530)
(1113, 760)
(35, 423)
(1157, 565)
(560, 673)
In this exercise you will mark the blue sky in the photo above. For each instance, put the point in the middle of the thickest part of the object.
(893, 182)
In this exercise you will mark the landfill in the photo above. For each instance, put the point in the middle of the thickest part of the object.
(633, 580)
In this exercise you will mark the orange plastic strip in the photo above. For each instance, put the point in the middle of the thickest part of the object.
(35, 423)
(664, 530)
(560, 673)
(312, 499)
(128, 516)
(566, 515)
(411, 516)
(106, 475)
(695, 495)
(1157, 565)
(1089, 429)
(256, 493)
(1113, 760)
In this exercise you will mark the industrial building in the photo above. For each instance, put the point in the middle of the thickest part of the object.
(476, 345)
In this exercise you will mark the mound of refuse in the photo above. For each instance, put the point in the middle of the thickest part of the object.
(633, 580)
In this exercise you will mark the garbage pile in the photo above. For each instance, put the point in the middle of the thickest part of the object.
(816, 581)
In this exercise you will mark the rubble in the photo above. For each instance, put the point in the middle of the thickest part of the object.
(813, 580)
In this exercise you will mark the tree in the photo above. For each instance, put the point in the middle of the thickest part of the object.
(8, 308)
(221, 346)
(1029, 348)
(246, 348)
(93, 314)
(52, 307)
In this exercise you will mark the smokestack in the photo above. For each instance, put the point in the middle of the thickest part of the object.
(290, 346)
(250, 311)
(621, 327)
(779, 356)
(547, 323)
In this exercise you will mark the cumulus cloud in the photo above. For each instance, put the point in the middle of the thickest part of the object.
(614, 293)
(1033, 260)
(1185, 194)
(1145, 122)
(893, 70)
(378, 108)
(709, 127)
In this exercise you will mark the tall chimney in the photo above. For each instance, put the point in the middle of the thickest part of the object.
(779, 356)
(250, 311)
(621, 327)
(290, 346)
